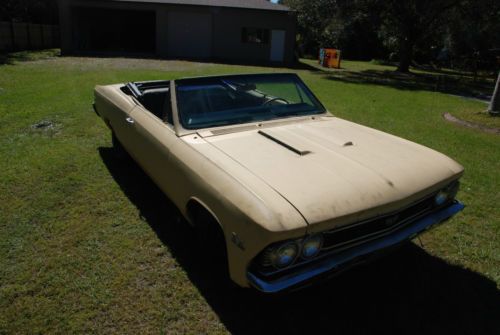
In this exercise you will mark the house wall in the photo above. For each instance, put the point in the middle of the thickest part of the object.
(228, 23)
(190, 33)
(27, 36)
(198, 32)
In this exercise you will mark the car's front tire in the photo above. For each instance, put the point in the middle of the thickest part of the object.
(211, 241)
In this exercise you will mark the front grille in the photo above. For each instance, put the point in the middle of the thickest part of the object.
(372, 228)
(342, 238)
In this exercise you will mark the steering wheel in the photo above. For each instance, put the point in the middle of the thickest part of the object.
(275, 99)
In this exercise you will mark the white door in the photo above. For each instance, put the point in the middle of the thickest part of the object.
(277, 45)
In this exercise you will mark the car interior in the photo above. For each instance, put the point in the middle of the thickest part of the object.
(218, 101)
(154, 96)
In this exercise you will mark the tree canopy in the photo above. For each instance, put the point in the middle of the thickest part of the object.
(443, 31)
(33, 11)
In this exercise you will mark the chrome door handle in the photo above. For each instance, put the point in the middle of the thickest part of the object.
(129, 120)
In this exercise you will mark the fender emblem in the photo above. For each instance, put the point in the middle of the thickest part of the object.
(236, 240)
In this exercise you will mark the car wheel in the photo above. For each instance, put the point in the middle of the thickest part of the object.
(119, 150)
(211, 241)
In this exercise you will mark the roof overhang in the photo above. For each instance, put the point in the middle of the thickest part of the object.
(248, 4)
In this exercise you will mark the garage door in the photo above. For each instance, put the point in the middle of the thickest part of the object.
(189, 35)
(112, 30)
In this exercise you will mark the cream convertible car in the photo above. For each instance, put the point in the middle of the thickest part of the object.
(295, 193)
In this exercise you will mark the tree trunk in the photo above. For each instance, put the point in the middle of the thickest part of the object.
(405, 55)
(494, 107)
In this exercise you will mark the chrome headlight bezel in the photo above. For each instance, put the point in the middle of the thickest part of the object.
(316, 239)
(276, 254)
(441, 198)
(296, 248)
(446, 194)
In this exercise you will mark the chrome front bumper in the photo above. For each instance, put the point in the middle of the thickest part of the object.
(343, 259)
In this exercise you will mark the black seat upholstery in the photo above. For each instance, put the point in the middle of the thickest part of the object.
(154, 101)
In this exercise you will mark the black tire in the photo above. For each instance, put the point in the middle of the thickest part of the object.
(211, 241)
(119, 151)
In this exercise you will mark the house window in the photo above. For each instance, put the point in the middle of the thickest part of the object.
(255, 35)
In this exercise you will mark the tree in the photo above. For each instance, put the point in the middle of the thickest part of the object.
(472, 34)
(494, 106)
(343, 24)
(313, 18)
(35, 11)
(408, 23)
(409, 30)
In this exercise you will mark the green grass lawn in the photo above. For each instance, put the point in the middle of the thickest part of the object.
(444, 81)
(89, 245)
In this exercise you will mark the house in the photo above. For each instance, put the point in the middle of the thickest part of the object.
(256, 31)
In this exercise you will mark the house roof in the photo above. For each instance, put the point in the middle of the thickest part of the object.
(249, 4)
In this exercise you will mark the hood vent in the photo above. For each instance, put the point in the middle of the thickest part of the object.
(281, 141)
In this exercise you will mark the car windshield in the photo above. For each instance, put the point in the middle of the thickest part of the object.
(218, 101)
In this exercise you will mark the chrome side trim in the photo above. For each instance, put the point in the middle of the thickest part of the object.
(336, 261)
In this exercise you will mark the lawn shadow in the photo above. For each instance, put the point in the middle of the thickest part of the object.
(410, 292)
(11, 58)
(435, 80)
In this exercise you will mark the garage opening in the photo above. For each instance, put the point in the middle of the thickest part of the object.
(112, 31)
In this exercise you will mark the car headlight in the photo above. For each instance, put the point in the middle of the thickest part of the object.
(311, 246)
(441, 197)
(446, 194)
(284, 255)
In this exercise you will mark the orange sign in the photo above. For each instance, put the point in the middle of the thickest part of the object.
(329, 58)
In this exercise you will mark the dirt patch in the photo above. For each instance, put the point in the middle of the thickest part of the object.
(45, 124)
(467, 124)
(46, 128)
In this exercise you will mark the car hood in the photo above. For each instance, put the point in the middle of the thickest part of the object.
(330, 168)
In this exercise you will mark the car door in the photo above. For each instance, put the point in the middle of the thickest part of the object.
(151, 139)
(277, 45)
(114, 108)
